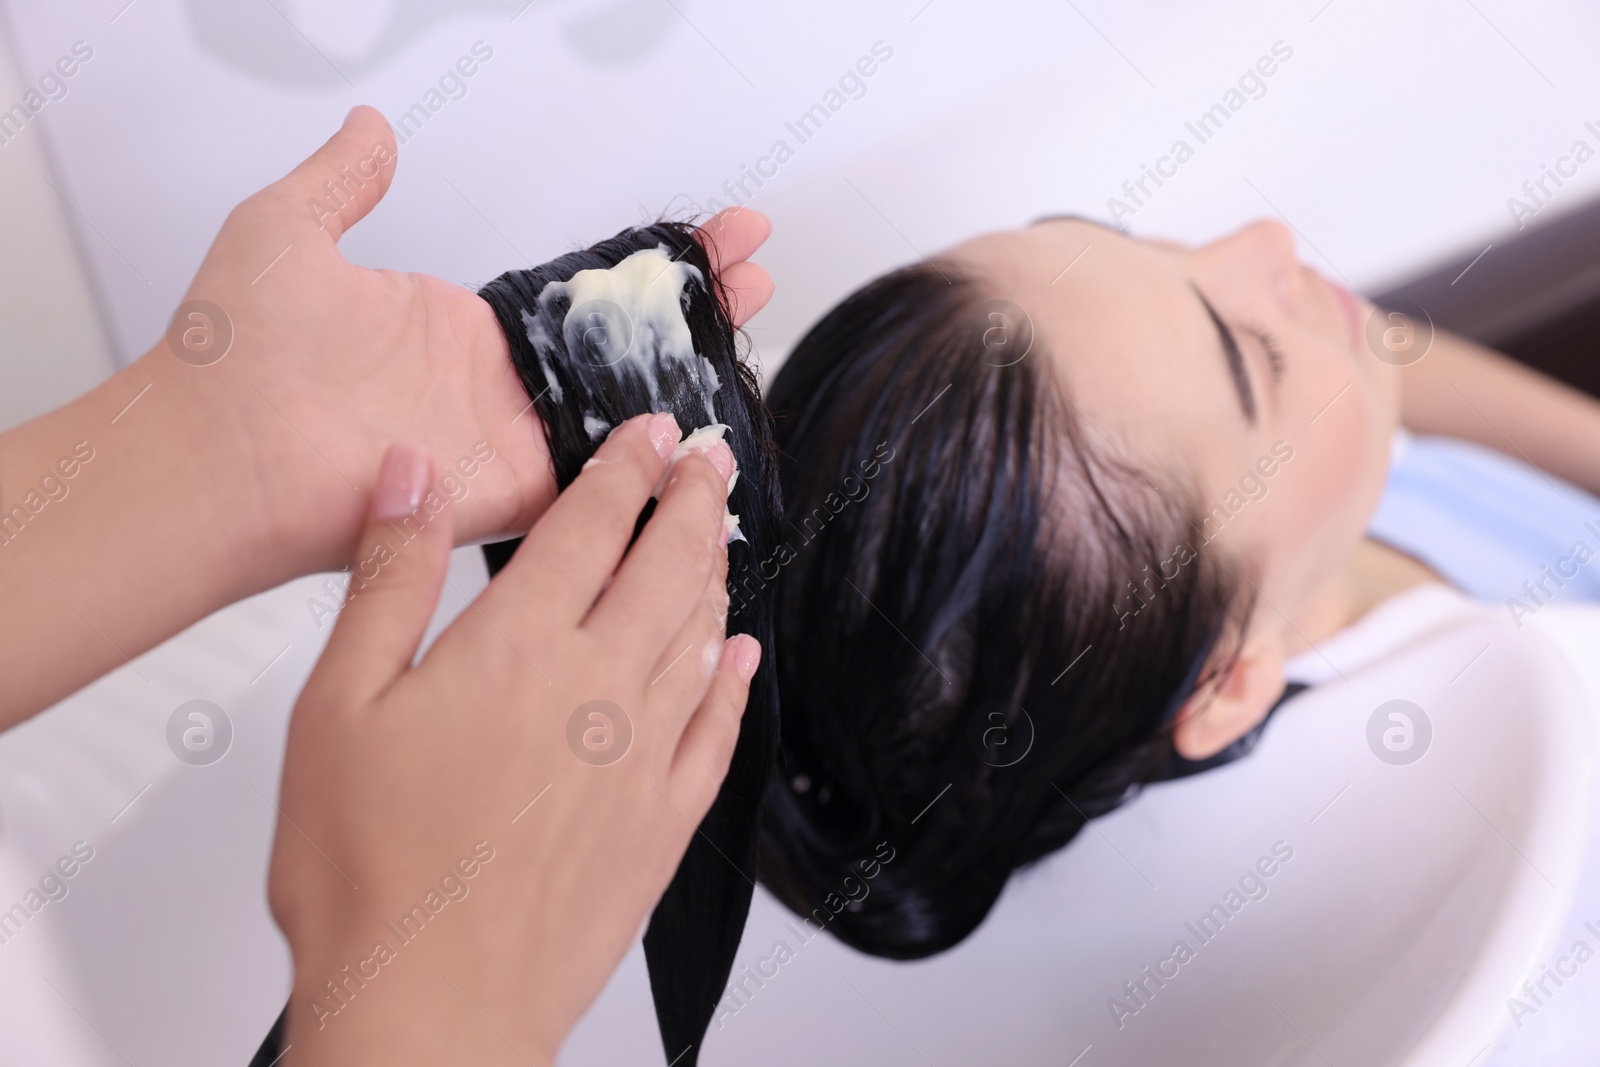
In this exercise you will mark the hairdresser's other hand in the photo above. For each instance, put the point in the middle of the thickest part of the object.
(329, 362)
(470, 797)
(730, 238)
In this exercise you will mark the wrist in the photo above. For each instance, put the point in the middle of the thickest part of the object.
(406, 1004)
(128, 519)
(243, 466)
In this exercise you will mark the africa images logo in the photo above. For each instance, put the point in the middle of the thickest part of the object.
(1399, 732)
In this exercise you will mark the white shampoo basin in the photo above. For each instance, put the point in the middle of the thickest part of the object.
(1405, 903)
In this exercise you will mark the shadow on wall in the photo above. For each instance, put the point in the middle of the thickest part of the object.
(259, 38)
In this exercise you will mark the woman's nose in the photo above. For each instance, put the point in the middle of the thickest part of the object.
(1264, 254)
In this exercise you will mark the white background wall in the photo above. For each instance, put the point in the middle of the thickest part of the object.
(1394, 136)
(52, 342)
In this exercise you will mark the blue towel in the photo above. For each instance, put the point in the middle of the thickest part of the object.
(1495, 527)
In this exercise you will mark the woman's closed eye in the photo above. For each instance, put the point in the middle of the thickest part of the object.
(1270, 348)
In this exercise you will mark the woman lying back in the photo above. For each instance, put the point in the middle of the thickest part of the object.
(1063, 504)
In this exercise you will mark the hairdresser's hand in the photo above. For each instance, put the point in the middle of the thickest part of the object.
(474, 777)
(330, 362)
(227, 467)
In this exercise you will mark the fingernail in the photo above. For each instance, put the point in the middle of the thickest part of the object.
(402, 480)
(721, 457)
(347, 114)
(746, 654)
(664, 433)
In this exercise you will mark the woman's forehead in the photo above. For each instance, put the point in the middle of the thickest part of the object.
(1066, 259)
(1087, 287)
(1128, 337)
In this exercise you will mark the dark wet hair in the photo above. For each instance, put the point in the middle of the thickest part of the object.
(695, 929)
(986, 617)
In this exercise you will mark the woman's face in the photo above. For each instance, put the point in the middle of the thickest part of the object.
(1231, 367)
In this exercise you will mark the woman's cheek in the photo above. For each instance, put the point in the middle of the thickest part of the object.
(1347, 452)
(1322, 498)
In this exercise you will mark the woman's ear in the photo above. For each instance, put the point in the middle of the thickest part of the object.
(1236, 701)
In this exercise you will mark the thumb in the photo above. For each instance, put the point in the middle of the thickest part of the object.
(341, 181)
(394, 580)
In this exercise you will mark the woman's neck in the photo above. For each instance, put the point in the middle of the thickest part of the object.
(1374, 573)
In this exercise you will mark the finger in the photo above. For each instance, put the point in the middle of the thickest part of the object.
(341, 181)
(708, 741)
(747, 288)
(394, 580)
(566, 559)
(732, 236)
(662, 579)
(683, 672)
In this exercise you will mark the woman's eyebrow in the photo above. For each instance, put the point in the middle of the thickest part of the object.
(1230, 345)
(1234, 358)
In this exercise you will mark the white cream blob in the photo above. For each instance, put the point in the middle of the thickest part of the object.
(540, 340)
(630, 316)
(627, 321)
(701, 441)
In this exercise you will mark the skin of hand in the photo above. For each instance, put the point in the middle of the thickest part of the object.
(460, 776)
(1462, 389)
(336, 360)
(210, 483)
